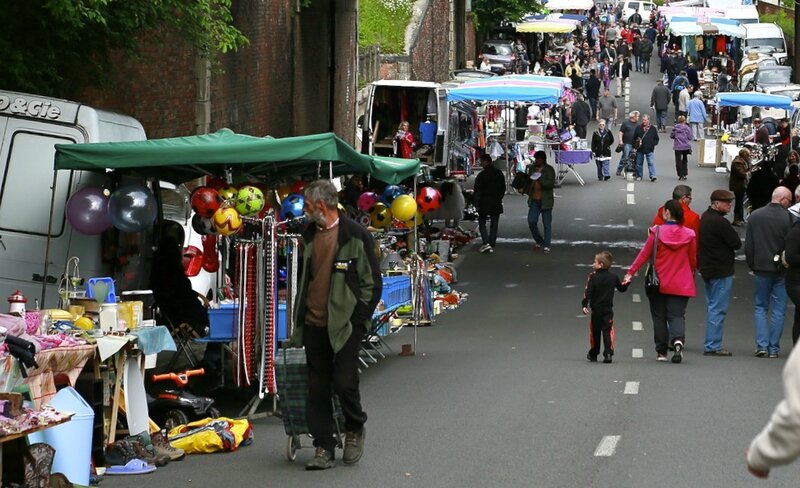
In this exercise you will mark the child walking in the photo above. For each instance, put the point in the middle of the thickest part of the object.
(598, 298)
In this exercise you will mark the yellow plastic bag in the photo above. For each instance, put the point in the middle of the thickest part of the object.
(210, 435)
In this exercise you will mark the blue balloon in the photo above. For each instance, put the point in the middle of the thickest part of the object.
(390, 193)
(292, 206)
(132, 208)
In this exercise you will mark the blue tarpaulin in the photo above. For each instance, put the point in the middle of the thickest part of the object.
(506, 92)
(754, 99)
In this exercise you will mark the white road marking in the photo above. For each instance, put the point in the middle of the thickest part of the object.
(636, 298)
(631, 387)
(637, 325)
(630, 222)
(637, 353)
(630, 187)
(607, 446)
(631, 199)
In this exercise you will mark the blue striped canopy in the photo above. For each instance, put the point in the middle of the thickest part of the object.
(754, 99)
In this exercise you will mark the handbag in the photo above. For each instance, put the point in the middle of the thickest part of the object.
(651, 282)
(618, 149)
(521, 182)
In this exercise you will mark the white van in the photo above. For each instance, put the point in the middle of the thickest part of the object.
(745, 14)
(417, 101)
(766, 39)
(631, 6)
(30, 125)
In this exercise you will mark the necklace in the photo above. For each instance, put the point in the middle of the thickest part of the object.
(333, 224)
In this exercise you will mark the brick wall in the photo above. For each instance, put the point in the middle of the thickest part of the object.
(430, 52)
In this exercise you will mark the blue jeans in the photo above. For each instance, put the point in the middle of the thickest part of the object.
(534, 210)
(636, 62)
(644, 64)
(651, 167)
(770, 296)
(602, 167)
(626, 151)
(718, 294)
(661, 117)
(593, 106)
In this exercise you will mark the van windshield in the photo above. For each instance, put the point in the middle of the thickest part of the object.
(775, 42)
(775, 76)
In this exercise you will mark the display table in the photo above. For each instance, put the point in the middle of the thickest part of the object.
(566, 160)
(24, 433)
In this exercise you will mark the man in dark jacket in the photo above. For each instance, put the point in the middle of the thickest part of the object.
(637, 53)
(646, 51)
(717, 245)
(593, 91)
(489, 190)
(339, 287)
(766, 233)
(581, 115)
(649, 135)
(636, 18)
(602, 140)
(659, 101)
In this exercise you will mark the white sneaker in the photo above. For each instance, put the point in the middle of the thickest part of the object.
(485, 248)
(491, 249)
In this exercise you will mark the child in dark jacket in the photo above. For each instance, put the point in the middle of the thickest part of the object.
(598, 299)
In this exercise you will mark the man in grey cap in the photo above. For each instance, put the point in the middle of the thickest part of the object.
(717, 245)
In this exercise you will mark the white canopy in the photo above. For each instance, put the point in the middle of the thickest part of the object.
(569, 4)
(685, 29)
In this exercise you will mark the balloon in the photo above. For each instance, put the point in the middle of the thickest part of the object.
(381, 216)
(228, 193)
(411, 223)
(132, 208)
(205, 201)
(249, 200)
(87, 210)
(227, 221)
(202, 225)
(404, 207)
(390, 193)
(367, 200)
(292, 206)
(429, 199)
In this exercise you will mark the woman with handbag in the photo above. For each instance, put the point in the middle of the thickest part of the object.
(671, 254)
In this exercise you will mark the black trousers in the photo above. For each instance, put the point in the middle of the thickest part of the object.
(580, 131)
(738, 206)
(669, 319)
(494, 221)
(329, 373)
(793, 290)
(601, 323)
(682, 162)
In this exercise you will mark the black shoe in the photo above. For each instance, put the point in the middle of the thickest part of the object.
(606, 178)
(607, 359)
(619, 173)
(677, 356)
(323, 459)
(353, 446)
(760, 353)
(653, 179)
(591, 358)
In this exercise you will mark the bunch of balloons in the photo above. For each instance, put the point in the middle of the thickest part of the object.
(130, 208)
(394, 204)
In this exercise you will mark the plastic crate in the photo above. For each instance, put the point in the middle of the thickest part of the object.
(396, 290)
(223, 321)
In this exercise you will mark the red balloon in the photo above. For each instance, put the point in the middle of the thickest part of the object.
(428, 199)
(205, 201)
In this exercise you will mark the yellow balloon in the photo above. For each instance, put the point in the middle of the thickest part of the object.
(381, 216)
(404, 207)
(417, 220)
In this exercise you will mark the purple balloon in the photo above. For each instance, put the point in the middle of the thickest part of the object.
(87, 211)
(132, 208)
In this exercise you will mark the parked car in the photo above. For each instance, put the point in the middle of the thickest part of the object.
(470, 75)
(500, 54)
(750, 63)
(792, 91)
(643, 7)
(768, 77)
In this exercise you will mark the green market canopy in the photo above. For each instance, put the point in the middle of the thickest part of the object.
(180, 159)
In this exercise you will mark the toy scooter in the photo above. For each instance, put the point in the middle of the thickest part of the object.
(174, 407)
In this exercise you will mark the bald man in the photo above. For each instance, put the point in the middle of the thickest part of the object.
(766, 230)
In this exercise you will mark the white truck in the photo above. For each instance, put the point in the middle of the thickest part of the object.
(765, 38)
(30, 125)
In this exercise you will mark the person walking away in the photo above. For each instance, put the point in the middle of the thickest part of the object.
(683, 101)
(602, 140)
(737, 183)
(581, 115)
(646, 51)
(489, 190)
(764, 241)
(337, 294)
(779, 442)
(607, 108)
(676, 86)
(682, 137)
(792, 257)
(622, 70)
(635, 18)
(649, 136)
(625, 137)
(683, 195)
(593, 91)
(697, 115)
(637, 53)
(540, 200)
(598, 299)
(717, 244)
(675, 263)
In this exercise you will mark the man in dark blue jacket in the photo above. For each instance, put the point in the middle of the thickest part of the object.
(490, 188)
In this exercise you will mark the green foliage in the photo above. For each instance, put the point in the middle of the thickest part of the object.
(784, 21)
(59, 46)
(384, 22)
(490, 13)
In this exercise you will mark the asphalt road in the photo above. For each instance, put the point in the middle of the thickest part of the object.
(500, 392)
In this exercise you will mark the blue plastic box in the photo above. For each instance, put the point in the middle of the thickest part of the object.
(223, 321)
(396, 290)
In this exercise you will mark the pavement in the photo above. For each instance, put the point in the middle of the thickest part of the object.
(500, 393)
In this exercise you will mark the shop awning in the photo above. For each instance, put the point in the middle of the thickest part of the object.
(754, 99)
(569, 4)
(685, 29)
(546, 27)
(180, 159)
(728, 27)
(709, 29)
(508, 91)
(564, 81)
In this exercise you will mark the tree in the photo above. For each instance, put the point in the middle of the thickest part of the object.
(56, 47)
(490, 13)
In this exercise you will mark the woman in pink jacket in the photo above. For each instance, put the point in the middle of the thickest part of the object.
(675, 263)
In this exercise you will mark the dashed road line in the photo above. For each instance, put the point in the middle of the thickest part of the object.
(631, 199)
(637, 353)
(636, 298)
(630, 187)
(630, 222)
(607, 446)
(637, 325)
(631, 387)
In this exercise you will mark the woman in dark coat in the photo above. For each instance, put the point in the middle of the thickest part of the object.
(602, 140)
